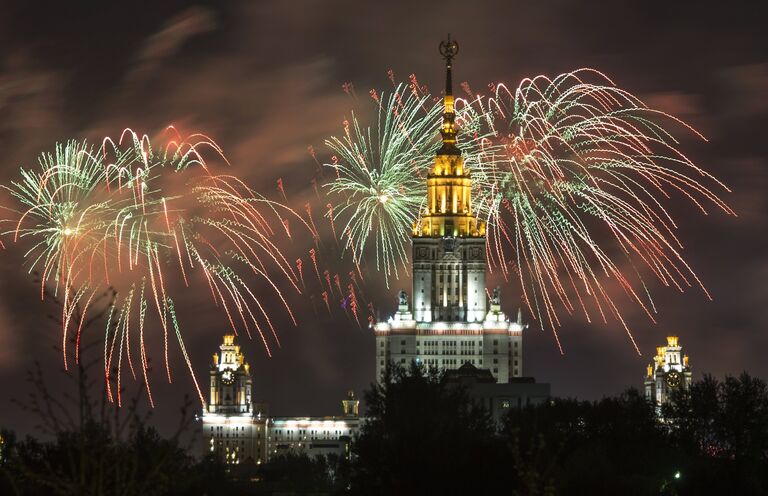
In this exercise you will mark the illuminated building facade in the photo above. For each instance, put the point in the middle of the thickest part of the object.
(234, 426)
(669, 371)
(315, 435)
(447, 321)
(239, 431)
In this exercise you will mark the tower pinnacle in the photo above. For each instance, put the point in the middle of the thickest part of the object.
(448, 49)
(448, 210)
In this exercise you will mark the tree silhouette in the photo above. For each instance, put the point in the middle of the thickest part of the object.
(423, 436)
(95, 447)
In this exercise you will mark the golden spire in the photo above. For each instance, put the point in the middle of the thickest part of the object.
(448, 211)
(448, 49)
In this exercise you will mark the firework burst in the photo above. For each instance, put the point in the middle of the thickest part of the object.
(379, 172)
(571, 175)
(145, 221)
(573, 191)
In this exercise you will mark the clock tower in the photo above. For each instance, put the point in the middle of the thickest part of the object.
(669, 371)
(231, 383)
(233, 425)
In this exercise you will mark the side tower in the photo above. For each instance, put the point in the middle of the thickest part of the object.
(669, 371)
(448, 240)
(235, 432)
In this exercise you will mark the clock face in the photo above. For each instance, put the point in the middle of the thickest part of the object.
(227, 377)
(673, 379)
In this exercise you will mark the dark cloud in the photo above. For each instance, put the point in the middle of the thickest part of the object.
(160, 46)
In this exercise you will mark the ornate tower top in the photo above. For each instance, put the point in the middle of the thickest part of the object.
(351, 405)
(670, 370)
(231, 357)
(448, 211)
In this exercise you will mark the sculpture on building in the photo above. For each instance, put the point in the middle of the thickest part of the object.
(496, 296)
(402, 297)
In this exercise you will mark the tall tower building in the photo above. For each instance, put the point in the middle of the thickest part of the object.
(447, 321)
(669, 371)
(448, 240)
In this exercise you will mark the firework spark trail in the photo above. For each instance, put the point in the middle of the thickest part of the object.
(337, 281)
(575, 165)
(313, 256)
(281, 189)
(329, 214)
(327, 277)
(327, 304)
(315, 234)
(379, 171)
(353, 303)
(110, 216)
(570, 175)
(299, 265)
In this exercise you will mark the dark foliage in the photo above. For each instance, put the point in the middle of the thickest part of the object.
(91, 446)
(299, 474)
(425, 437)
(612, 446)
(721, 431)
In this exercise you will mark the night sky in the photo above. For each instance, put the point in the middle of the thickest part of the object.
(264, 80)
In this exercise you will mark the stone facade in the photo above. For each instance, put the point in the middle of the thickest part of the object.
(239, 431)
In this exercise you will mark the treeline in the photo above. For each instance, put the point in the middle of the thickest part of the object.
(424, 436)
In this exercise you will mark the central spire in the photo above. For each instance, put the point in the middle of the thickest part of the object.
(448, 49)
(448, 210)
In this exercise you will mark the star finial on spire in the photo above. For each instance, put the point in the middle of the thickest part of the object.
(448, 49)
